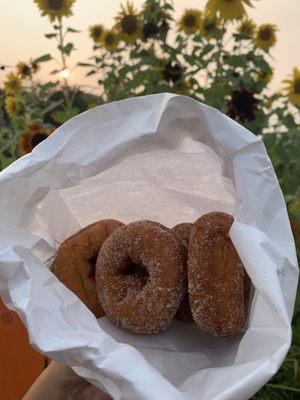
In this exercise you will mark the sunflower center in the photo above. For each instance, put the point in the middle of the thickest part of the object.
(38, 138)
(97, 32)
(26, 70)
(265, 34)
(129, 24)
(189, 20)
(297, 86)
(55, 4)
(229, 1)
(110, 39)
(209, 26)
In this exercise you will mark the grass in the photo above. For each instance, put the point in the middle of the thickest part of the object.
(285, 385)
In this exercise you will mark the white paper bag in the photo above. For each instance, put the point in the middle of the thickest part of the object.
(170, 159)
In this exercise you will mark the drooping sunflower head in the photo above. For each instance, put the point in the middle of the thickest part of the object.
(55, 8)
(190, 22)
(34, 66)
(292, 87)
(246, 27)
(209, 26)
(34, 135)
(110, 40)
(266, 36)
(96, 32)
(128, 23)
(24, 70)
(172, 71)
(13, 84)
(12, 106)
(227, 9)
(242, 105)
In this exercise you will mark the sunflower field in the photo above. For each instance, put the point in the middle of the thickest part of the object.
(216, 55)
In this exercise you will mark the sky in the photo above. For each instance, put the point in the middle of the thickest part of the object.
(22, 33)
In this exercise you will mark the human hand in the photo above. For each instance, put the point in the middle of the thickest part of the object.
(60, 382)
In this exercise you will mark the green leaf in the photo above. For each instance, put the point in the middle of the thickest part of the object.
(91, 73)
(235, 61)
(73, 30)
(81, 64)
(67, 48)
(50, 35)
(63, 116)
(206, 49)
(45, 57)
(51, 106)
(239, 36)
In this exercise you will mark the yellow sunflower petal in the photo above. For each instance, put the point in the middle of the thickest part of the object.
(128, 23)
(266, 36)
(190, 22)
(110, 40)
(96, 32)
(13, 84)
(227, 9)
(55, 8)
(12, 106)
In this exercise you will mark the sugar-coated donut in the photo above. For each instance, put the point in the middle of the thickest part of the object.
(183, 232)
(218, 283)
(140, 277)
(74, 264)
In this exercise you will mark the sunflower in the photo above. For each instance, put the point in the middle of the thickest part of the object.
(293, 87)
(96, 32)
(12, 106)
(13, 84)
(128, 24)
(227, 9)
(266, 36)
(209, 26)
(246, 27)
(34, 66)
(243, 105)
(150, 30)
(172, 71)
(190, 22)
(35, 134)
(264, 75)
(55, 8)
(24, 70)
(110, 40)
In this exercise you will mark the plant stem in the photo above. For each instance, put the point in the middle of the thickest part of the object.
(65, 87)
(283, 387)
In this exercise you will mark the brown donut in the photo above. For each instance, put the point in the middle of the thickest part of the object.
(140, 277)
(218, 283)
(74, 264)
(183, 232)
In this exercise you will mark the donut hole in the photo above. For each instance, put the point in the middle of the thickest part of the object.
(92, 266)
(135, 270)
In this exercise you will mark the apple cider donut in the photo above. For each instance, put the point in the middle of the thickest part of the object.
(218, 283)
(75, 261)
(183, 232)
(140, 277)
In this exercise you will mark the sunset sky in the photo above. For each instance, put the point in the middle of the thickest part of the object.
(23, 29)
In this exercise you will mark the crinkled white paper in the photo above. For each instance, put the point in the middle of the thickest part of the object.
(170, 159)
